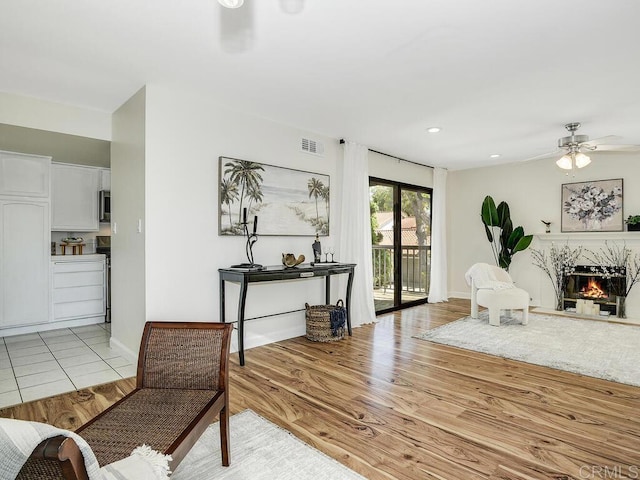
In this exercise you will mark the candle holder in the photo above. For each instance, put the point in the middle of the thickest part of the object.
(251, 240)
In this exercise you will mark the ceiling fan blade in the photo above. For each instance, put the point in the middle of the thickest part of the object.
(601, 140)
(556, 153)
(617, 148)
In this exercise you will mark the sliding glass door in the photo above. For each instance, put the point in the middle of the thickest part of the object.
(401, 243)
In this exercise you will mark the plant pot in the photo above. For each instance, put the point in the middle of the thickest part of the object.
(560, 302)
(635, 227)
(621, 306)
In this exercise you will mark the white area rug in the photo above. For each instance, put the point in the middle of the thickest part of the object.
(260, 450)
(597, 349)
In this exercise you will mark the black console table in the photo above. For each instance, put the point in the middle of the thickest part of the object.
(244, 277)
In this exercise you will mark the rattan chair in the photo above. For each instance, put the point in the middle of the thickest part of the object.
(182, 386)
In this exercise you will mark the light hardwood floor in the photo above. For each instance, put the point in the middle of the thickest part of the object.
(390, 406)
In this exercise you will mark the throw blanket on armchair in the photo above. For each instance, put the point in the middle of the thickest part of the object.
(18, 438)
(489, 277)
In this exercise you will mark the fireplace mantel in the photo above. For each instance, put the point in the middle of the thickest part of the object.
(589, 240)
(591, 236)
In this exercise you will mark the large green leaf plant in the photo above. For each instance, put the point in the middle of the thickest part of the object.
(505, 240)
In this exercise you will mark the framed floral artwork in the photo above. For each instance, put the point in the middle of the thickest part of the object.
(592, 206)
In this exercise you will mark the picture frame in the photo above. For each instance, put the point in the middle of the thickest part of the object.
(594, 206)
(286, 201)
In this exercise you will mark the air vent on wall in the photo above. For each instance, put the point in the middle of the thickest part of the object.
(311, 146)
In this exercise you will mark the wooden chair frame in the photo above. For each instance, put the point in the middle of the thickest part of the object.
(65, 452)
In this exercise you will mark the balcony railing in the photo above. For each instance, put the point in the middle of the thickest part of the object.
(416, 266)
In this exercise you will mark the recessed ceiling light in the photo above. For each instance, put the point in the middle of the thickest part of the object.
(433, 129)
(495, 155)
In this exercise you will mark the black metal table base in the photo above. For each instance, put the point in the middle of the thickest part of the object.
(243, 277)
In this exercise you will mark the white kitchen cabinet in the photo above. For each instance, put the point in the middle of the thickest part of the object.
(105, 179)
(24, 175)
(74, 198)
(24, 262)
(79, 287)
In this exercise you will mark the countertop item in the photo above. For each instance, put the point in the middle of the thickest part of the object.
(76, 248)
(72, 240)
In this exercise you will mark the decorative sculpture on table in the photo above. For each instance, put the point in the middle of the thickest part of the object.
(251, 240)
(317, 250)
(290, 260)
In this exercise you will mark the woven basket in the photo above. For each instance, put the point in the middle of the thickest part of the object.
(319, 323)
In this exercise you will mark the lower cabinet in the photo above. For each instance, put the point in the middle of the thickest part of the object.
(79, 287)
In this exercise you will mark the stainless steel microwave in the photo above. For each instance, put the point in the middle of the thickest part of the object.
(105, 206)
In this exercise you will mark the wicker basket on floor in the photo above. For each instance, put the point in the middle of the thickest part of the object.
(319, 322)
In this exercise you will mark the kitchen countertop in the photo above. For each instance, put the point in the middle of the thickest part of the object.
(78, 258)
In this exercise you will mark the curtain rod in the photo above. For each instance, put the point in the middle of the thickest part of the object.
(342, 140)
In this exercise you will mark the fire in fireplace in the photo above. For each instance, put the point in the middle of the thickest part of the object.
(593, 289)
(590, 284)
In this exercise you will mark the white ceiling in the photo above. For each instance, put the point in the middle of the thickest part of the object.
(499, 76)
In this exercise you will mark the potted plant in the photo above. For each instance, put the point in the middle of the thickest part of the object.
(633, 223)
(505, 240)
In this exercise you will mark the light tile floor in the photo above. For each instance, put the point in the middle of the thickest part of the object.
(39, 365)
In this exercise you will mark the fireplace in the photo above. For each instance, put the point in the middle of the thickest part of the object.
(589, 283)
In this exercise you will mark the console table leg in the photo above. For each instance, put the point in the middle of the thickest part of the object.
(327, 290)
(222, 300)
(242, 301)
(349, 285)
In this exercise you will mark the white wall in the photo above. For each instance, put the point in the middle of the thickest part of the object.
(127, 244)
(185, 136)
(533, 191)
(55, 117)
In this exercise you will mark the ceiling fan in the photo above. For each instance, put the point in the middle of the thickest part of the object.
(573, 148)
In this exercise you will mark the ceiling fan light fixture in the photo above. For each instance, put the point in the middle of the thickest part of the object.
(565, 162)
(582, 160)
(231, 3)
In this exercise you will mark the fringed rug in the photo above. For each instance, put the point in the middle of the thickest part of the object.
(260, 450)
(597, 349)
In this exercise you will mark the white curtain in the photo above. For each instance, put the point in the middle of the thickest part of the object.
(438, 288)
(355, 231)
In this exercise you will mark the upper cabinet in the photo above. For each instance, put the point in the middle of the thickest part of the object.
(105, 179)
(24, 175)
(74, 198)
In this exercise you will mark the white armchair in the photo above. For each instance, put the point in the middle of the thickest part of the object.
(493, 288)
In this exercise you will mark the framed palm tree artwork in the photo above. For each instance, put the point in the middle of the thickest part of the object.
(286, 201)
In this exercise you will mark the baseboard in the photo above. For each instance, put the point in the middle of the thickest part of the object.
(463, 295)
(44, 327)
(256, 340)
(610, 319)
(124, 351)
